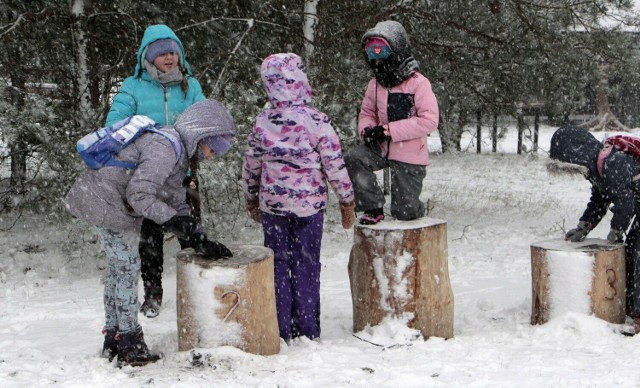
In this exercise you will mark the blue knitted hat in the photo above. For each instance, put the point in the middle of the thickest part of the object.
(160, 47)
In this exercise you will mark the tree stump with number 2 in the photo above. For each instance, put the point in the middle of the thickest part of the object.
(228, 302)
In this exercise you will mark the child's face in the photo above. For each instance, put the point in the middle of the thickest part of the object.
(207, 152)
(166, 62)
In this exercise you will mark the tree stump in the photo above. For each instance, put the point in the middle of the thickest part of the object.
(228, 302)
(401, 267)
(586, 277)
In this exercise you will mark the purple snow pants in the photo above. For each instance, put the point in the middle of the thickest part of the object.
(295, 242)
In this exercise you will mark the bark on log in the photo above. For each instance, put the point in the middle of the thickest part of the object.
(401, 267)
(228, 302)
(586, 277)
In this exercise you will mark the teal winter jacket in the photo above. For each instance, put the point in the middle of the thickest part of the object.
(142, 95)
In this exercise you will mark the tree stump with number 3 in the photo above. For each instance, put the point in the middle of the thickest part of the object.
(228, 302)
(586, 277)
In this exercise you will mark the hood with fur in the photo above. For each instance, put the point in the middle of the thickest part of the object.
(577, 146)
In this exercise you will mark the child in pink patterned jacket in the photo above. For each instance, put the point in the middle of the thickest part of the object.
(293, 151)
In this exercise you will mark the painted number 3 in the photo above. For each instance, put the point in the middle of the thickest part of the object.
(611, 281)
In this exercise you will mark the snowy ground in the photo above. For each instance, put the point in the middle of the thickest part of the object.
(495, 205)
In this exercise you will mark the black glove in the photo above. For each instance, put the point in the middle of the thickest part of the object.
(615, 236)
(578, 234)
(182, 226)
(212, 250)
(375, 136)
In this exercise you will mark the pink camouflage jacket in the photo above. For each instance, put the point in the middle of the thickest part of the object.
(408, 134)
(293, 149)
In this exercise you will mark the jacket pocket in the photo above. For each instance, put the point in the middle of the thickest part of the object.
(400, 106)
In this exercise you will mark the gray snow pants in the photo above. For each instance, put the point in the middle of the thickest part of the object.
(121, 283)
(406, 183)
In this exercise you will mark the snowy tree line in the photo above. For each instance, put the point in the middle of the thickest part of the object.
(62, 60)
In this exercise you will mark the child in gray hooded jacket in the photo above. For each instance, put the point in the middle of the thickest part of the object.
(116, 200)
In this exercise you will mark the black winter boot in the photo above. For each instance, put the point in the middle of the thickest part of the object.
(133, 351)
(152, 302)
(372, 216)
(110, 347)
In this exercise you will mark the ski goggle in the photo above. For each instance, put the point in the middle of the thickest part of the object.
(378, 52)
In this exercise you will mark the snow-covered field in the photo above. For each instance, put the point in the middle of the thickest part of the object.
(495, 205)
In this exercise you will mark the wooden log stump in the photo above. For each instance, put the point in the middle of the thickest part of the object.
(586, 277)
(228, 302)
(401, 267)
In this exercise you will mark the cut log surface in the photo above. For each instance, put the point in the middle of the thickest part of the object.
(227, 302)
(398, 268)
(586, 277)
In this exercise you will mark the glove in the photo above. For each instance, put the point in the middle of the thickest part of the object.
(578, 234)
(375, 136)
(208, 249)
(615, 236)
(347, 211)
(182, 226)
(212, 250)
(253, 211)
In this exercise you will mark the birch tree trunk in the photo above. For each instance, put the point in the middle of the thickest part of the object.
(18, 144)
(81, 61)
(309, 28)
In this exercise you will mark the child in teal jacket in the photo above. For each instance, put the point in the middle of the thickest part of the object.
(160, 96)
(161, 87)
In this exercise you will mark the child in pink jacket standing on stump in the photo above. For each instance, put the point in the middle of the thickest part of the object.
(397, 113)
(293, 151)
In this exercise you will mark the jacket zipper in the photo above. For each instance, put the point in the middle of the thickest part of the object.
(166, 106)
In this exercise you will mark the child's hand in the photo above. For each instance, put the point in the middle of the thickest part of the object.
(213, 250)
(375, 136)
(181, 226)
(253, 211)
(578, 234)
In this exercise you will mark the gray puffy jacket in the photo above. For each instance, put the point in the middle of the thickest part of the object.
(118, 198)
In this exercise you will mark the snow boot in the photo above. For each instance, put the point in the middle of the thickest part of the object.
(152, 302)
(133, 351)
(636, 325)
(371, 217)
(631, 329)
(110, 347)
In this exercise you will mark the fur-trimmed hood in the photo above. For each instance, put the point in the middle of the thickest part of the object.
(574, 146)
